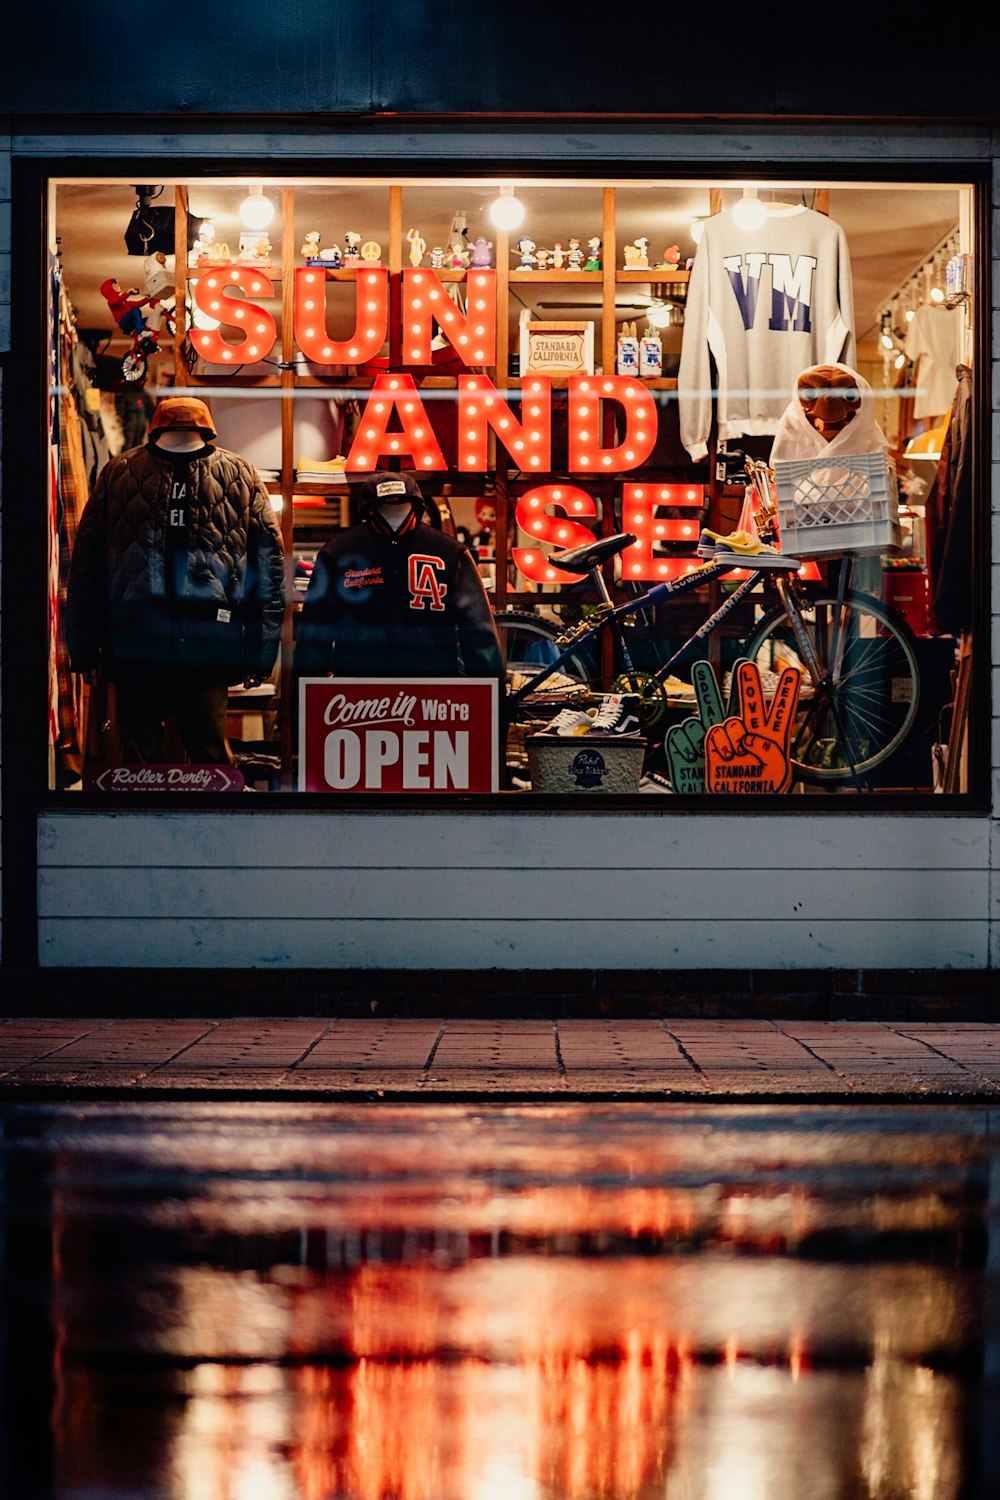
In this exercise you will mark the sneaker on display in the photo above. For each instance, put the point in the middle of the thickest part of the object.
(618, 714)
(708, 541)
(568, 722)
(739, 550)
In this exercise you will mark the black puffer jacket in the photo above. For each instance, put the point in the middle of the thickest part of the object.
(228, 611)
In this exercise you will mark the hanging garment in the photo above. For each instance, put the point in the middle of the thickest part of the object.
(950, 561)
(934, 344)
(762, 304)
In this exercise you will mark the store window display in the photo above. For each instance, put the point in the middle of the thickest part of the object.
(453, 570)
(176, 585)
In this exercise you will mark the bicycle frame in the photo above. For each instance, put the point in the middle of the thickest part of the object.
(612, 615)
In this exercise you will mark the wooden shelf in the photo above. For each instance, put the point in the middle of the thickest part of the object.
(565, 278)
(654, 274)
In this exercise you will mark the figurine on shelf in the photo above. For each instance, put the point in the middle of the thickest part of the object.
(437, 258)
(351, 243)
(671, 258)
(255, 248)
(542, 258)
(371, 253)
(331, 256)
(637, 255)
(558, 256)
(457, 258)
(525, 248)
(418, 246)
(212, 252)
(574, 256)
(482, 252)
(593, 261)
(310, 248)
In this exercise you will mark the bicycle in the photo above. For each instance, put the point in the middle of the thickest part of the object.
(858, 657)
(135, 360)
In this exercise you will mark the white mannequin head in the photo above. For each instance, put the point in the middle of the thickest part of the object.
(180, 439)
(395, 512)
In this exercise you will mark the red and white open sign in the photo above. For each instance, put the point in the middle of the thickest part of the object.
(414, 734)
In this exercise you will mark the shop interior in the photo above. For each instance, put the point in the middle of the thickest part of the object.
(601, 259)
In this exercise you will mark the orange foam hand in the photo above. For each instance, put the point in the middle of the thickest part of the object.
(748, 754)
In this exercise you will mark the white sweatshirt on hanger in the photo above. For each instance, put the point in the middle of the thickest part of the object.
(766, 303)
(934, 343)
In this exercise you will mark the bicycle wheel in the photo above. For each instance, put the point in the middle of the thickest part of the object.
(864, 706)
(134, 366)
(529, 643)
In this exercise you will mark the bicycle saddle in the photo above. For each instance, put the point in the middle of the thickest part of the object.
(593, 554)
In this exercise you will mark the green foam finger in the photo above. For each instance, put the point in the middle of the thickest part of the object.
(706, 693)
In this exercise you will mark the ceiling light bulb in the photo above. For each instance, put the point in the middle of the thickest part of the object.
(749, 213)
(256, 211)
(899, 361)
(937, 295)
(507, 212)
(886, 341)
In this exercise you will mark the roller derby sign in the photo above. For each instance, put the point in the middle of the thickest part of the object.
(741, 748)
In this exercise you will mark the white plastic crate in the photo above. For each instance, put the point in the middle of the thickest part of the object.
(844, 503)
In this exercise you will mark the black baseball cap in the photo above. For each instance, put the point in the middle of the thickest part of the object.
(386, 486)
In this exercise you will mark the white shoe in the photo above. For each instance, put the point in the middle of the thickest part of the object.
(568, 722)
(618, 714)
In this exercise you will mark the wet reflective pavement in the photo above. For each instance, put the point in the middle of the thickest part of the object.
(279, 1301)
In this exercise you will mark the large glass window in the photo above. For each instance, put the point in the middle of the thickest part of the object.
(567, 488)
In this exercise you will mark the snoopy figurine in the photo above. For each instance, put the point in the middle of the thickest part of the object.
(310, 247)
(593, 261)
(637, 255)
(526, 250)
(352, 243)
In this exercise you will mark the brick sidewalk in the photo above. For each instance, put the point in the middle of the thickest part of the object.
(413, 1058)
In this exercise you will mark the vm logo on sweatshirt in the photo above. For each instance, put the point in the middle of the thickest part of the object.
(791, 288)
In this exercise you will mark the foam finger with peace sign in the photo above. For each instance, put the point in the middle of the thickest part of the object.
(748, 753)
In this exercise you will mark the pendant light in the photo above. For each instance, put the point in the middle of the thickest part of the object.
(506, 211)
(749, 213)
(256, 211)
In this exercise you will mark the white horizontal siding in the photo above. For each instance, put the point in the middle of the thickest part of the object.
(619, 842)
(585, 942)
(512, 895)
(403, 891)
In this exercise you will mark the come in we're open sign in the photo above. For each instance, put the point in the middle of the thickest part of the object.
(427, 734)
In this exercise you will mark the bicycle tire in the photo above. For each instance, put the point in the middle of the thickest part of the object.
(134, 366)
(851, 724)
(528, 642)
